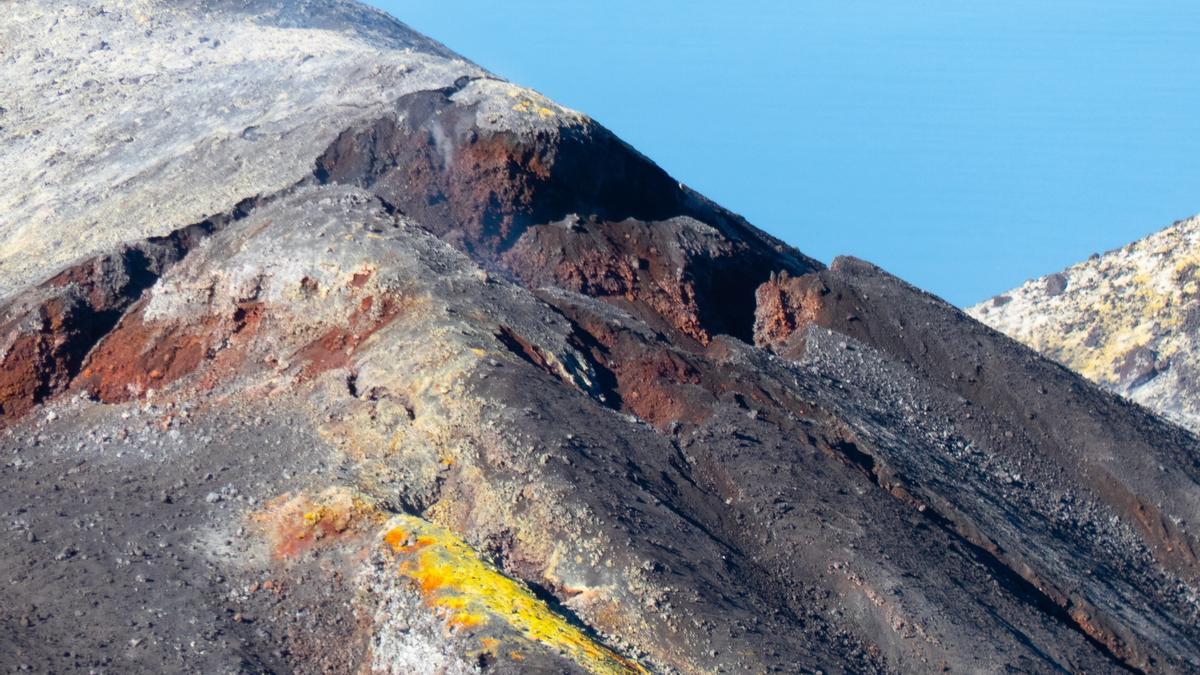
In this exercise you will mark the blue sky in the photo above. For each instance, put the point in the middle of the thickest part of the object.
(965, 146)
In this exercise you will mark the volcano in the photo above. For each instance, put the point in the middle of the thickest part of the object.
(326, 350)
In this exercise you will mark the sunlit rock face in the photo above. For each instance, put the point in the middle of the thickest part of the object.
(325, 350)
(1127, 320)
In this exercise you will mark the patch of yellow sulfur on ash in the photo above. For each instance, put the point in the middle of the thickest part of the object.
(527, 106)
(294, 524)
(468, 592)
(530, 102)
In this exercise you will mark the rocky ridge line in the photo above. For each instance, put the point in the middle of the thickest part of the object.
(484, 320)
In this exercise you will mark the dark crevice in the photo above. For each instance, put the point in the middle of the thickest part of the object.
(1009, 579)
(728, 288)
(526, 351)
(604, 380)
(568, 615)
(564, 612)
(602, 386)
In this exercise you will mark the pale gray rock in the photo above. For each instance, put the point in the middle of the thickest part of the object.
(1126, 319)
(109, 107)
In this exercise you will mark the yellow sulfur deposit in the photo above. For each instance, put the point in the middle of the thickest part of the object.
(294, 524)
(527, 106)
(469, 592)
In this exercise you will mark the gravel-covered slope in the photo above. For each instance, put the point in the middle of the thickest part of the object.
(358, 359)
(1126, 319)
(1033, 454)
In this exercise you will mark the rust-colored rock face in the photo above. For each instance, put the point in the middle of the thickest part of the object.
(335, 347)
(35, 360)
(483, 188)
(786, 306)
(138, 356)
(574, 207)
(648, 378)
(50, 328)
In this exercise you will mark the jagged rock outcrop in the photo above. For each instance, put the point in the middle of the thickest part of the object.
(355, 358)
(1126, 320)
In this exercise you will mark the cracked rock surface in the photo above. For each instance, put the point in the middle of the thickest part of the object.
(324, 350)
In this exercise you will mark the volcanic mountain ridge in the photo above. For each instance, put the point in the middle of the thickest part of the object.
(326, 350)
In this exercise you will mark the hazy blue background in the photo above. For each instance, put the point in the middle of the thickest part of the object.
(964, 145)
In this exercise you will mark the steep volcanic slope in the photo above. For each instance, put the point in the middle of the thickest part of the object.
(364, 360)
(1126, 320)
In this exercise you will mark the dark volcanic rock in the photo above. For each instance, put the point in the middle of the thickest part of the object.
(1059, 439)
(461, 382)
